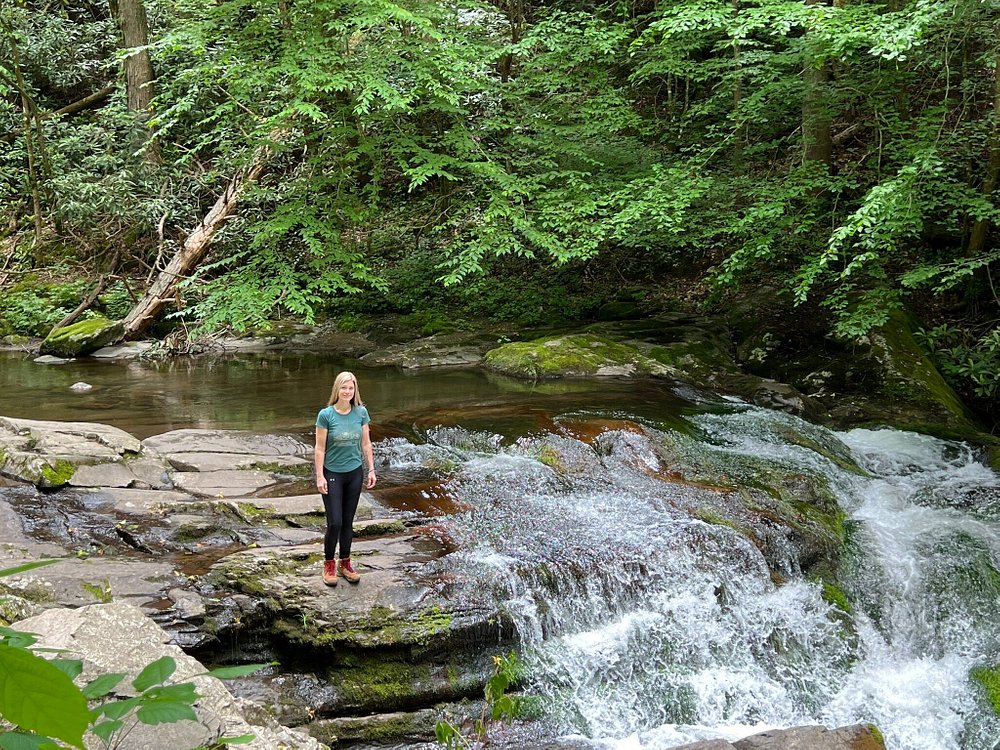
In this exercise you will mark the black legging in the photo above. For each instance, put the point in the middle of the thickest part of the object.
(343, 490)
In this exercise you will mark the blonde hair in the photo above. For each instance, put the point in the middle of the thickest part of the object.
(339, 381)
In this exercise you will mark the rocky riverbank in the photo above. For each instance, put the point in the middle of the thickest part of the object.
(215, 536)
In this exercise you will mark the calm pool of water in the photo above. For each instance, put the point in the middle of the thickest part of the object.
(283, 392)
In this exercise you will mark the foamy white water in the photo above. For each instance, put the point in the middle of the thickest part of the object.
(645, 628)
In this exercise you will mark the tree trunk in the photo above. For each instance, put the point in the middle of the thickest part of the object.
(69, 109)
(187, 259)
(980, 230)
(131, 16)
(138, 67)
(29, 119)
(817, 143)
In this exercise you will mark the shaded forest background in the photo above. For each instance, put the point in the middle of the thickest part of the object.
(518, 160)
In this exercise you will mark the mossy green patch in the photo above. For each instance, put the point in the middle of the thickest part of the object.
(877, 735)
(700, 361)
(989, 679)
(379, 527)
(910, 377)
(715, 519)
(58, 474)
(382, 684)
(576, 355)
(81, 338)
(549, 456)
(294, 470)
(834, 595)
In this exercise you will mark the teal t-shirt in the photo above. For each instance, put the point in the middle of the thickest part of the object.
(343, 437)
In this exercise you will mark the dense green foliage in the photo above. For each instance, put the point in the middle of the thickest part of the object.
(450, 155)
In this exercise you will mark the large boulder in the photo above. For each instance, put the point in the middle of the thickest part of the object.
(119, 638)
(854, 737)
(87, 454)
(81, 338)
(574, 355)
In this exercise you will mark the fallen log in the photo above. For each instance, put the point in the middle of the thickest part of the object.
(190, 255)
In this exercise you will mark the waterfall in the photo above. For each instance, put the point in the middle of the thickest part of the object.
(648, 621)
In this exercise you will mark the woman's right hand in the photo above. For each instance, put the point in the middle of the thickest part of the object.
(321, 485)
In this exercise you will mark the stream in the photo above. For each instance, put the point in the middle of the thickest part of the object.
(652, 611)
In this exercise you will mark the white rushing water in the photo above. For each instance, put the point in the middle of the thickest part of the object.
(647, 628)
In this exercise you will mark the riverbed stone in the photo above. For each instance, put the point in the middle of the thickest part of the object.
(441, 350)
(855, 737)
(49, 454)
(574, 355)
(81, 338)
(119, 638)
(48, 359)
(390, 642)
(222, 483)
(129, 350)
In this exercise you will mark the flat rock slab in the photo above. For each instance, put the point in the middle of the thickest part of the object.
(302, 505)
(225, 483)
(119, 638)
(207, 461)
(100, 438)
(138, 501)
(393, 605)
(236, 442)
(51, 454)
(74, 582)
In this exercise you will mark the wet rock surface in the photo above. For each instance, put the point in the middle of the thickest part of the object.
(118, 637)
(227, 561)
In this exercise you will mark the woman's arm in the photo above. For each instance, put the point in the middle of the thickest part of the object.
(366, 449)
(319, 456)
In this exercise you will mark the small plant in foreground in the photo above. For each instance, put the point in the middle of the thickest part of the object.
(42, 708)
(498, 706)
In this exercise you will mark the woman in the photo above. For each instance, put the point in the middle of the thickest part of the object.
(342, 438)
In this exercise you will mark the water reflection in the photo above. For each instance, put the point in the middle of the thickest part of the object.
(282, 392)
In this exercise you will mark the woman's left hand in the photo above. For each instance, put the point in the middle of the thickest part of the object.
(370, 481)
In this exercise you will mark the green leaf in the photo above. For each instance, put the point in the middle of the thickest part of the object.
(39, 697)
(155, 674)
(17, 638)
(21, 741)
(25, 567)
(243, 739)
(183, 692)
(227, 673)
(105, 729)
(165, 712)
(103, 685)
(70, 667)
(118, 709)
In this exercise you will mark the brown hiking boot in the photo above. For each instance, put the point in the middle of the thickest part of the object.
(344, 566)
(330, 572)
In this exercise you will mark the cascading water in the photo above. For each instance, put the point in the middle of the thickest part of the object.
(649, 620)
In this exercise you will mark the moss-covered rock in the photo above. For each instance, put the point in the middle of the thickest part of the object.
(81, 338)
(989, 679)
(576, 355)
(913, 387)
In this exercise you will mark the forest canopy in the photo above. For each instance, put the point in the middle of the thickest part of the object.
(846, 152)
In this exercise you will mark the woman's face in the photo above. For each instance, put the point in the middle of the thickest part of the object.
(346, 391)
